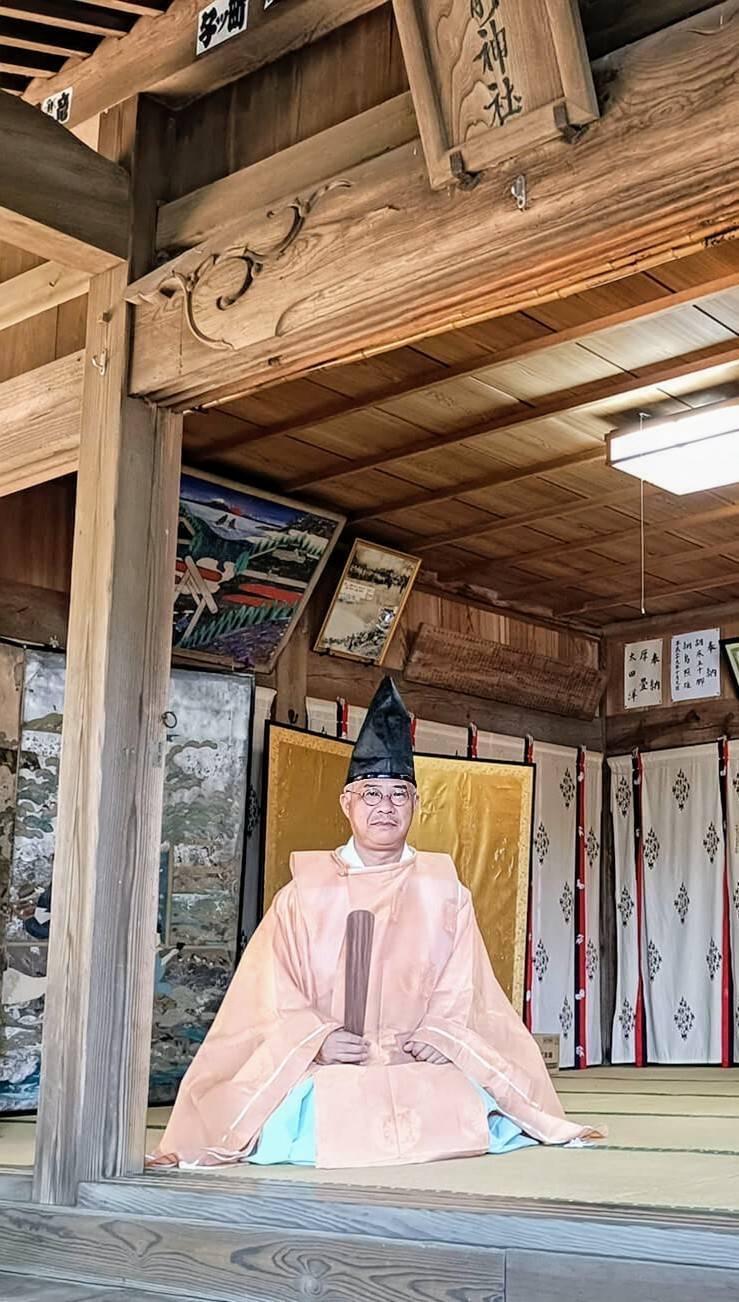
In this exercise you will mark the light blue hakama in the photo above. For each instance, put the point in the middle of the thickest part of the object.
(289, 1135)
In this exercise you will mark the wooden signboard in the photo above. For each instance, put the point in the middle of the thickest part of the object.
(491, 78)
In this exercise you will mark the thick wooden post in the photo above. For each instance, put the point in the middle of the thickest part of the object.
(97, 1031)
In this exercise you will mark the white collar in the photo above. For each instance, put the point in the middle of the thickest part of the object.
(351, 857)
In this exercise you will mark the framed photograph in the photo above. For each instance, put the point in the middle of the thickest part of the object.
(368, 603)
(247, 562)
(731, 651)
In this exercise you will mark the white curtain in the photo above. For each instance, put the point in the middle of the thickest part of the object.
(593, 807)
(495, 746)
(732, 839)
(623, 1047)
(439, 739)
(683, 851)
(553, 896)
(321, 716)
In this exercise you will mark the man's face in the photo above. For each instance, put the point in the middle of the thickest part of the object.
(380, 811)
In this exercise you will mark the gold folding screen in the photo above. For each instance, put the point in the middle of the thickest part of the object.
(478, 811)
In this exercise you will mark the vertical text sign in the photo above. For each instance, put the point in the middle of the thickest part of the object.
(218, 22)
(58, 106)
(643, 674)
(696, 665)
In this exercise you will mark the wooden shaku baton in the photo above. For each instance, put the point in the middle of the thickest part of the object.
(360, 926)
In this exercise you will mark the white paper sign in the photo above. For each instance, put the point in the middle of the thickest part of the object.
(219, 21)
(643, 674)
(696, 665)
(58, 106)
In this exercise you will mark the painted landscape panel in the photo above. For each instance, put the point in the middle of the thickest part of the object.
(201, 865)
(247, 563)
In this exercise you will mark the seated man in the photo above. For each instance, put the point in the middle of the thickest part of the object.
(444, 1067)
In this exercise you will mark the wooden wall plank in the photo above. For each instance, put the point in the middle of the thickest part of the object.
(40, 424)
(557, 1277)
(38, 526)
(31, 614)
(24, 1288)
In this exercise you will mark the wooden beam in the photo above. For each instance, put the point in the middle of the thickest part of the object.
(40, 424)
(97, 1023)
(201, 214)
(679, 524)
(610, 24)
(158, 54)
(29, 63)
(634, 599)
(95, 20)
(34, 615)
(383, 261)
(59, 198)
(38, 290)
(561, 403)
(653, 625)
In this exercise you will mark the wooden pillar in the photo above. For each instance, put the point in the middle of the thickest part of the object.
(97, 1031)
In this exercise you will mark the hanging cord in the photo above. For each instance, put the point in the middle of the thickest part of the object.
(642, 416)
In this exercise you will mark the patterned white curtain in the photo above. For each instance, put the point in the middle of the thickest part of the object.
(623, 1046)
(593, 808)
(683, 904)
(553, 896)
(495, 746)
(732, 839)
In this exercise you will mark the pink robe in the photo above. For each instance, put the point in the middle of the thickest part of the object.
(430, 980)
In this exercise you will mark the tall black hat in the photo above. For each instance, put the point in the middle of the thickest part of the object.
(384, 748)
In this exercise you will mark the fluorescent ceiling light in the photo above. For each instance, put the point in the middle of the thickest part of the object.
(685, 454)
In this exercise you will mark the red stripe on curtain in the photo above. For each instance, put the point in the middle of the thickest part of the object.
(727, 984)
(472, 741)
(581, 916)
(342, 717)
(528, 758)
(640, 1029)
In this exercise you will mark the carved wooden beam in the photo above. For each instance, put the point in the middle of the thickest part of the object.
(59, 198)
(383, 260)
(158, 54)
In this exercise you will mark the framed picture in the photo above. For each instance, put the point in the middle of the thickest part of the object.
(368, 603)
(731, 651)
(247, 562)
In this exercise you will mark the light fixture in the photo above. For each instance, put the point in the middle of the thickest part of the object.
(683, 454)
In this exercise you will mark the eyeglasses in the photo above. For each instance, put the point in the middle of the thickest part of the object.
(375, 795)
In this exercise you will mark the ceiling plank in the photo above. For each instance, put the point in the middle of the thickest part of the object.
(634, 599)
(610, 24)
(656, 177)
(552, 512)
(37, 290)
(478, 567)
(59, 198)
(158, 55)
(513, 476)
(40, 424)
(94, 19)
(560, 403)
(652, 625)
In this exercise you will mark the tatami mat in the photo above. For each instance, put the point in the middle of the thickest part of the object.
(673, 1142)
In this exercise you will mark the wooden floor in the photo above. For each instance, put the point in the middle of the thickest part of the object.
(652, 1213)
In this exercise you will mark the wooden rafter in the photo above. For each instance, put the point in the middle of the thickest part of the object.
(560, 403)
(158, 54)
(634, 598)
(59, 198)
(35, 36)
(94, 19)
(670, 184)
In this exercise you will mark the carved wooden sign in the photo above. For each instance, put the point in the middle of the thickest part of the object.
(491, 78)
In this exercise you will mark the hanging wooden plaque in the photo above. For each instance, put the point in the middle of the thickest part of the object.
(491, 78)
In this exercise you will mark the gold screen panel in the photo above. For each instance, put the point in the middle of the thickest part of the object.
(478, 811)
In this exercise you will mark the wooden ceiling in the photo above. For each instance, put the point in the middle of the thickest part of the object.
(37, 37)
(483, 450)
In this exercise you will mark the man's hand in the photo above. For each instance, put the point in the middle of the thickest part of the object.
(342, 1046)
(424, 1053)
